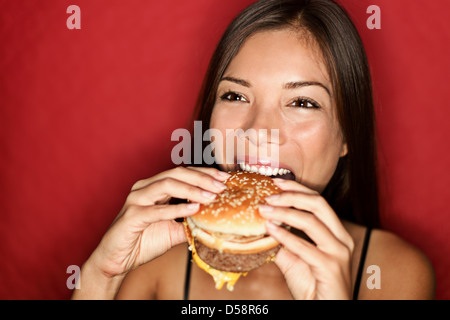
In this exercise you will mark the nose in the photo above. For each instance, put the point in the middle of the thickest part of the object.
(263, 126)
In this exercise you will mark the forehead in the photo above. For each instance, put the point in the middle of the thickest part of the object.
(279, 55)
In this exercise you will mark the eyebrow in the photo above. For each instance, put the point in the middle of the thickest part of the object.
(236, 80)
(300, 84)
(289, 85)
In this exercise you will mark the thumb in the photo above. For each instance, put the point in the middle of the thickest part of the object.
(177, 233)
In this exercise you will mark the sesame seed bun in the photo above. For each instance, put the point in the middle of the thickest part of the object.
(235, 210)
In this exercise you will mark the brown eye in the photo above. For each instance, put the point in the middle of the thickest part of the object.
(233, 96)
(305, 103)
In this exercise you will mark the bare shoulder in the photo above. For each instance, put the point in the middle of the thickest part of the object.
(395, 269)
(157, 279)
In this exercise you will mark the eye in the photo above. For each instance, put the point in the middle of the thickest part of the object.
(233, 96)
(305, 103)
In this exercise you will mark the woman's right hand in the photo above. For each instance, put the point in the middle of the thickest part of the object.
(145, 227)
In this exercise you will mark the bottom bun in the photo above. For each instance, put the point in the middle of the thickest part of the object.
(232, 262)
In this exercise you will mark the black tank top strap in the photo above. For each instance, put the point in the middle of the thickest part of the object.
(188, 276)
(362, 261)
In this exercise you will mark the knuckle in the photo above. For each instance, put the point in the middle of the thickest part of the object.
(193, 190)
(320, 200)
(351, 245)
(310, 220)
(132, 197)
(345, 253)
(179, 170)
(166, 182)
(138, 184)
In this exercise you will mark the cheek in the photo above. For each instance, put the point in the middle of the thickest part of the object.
(317, 138)
(317, 146)
(222, 121)
(214, 120)
(223, 118)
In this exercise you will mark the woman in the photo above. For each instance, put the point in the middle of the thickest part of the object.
(298, 67)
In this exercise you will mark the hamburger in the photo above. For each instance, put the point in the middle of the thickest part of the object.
(228, 237)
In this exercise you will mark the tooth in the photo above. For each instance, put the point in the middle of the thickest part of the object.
(268, 171)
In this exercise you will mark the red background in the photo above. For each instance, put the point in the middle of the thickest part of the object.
(86, 113)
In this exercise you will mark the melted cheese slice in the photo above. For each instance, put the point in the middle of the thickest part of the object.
(220, 277)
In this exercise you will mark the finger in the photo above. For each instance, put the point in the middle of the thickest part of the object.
(303, 249)
(213, 172)
(290, 185)
(172, 235)
(318, 206)
(166, 236)
(198, 177)
(139, 217)
(162, 190)
(306, 222)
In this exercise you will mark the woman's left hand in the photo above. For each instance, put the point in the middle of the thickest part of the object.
(312, 271)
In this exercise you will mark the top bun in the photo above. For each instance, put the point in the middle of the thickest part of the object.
(235, 210)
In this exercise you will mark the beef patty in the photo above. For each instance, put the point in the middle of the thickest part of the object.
(231, 262)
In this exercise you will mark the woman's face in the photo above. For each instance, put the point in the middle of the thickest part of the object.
(278, 80)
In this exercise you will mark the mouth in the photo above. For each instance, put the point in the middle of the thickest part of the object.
(274, 172)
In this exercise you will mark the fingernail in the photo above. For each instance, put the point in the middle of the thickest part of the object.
(265, 208)
(223, 174)
(273, 197)
(193, 206)
(208, 194)
(219, 185)
(279, 182)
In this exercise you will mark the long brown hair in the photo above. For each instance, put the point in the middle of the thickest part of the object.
(353, 190)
